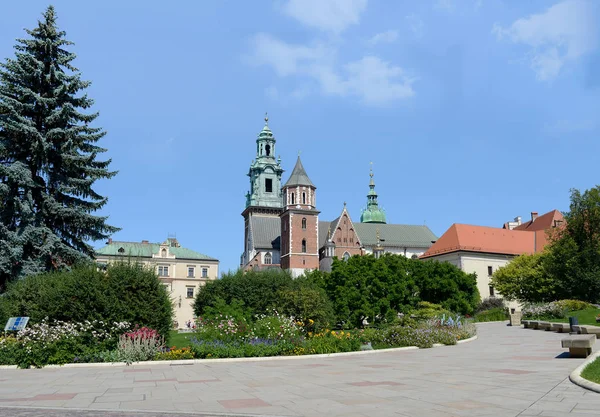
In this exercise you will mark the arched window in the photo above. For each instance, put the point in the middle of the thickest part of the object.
(121, 250)
(304, 223)
(293, 198)
(303, 198)
(163, 253)
(268, 259)
(346, 256)
(268, 150)
(303, 245)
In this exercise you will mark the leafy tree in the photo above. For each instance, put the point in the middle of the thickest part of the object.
(48, 158)
(380, 288)
(524, 279)
(574, 255)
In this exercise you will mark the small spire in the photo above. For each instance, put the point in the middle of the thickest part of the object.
(299, 152)
(344, 204)
(266, 119)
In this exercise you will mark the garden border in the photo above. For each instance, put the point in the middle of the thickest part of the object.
(251, 359)
(577, 379)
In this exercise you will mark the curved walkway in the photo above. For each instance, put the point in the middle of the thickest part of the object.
(507, 371)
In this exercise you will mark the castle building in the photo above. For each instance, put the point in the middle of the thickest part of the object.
(282, 228)
(182, 271)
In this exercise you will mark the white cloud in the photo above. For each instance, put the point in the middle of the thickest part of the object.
(371, 79)
(384, 37)
(415, 24)
(328, 15)
(563, 33)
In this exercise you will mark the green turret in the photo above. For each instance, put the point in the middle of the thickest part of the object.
(373, 213)
(265, 173)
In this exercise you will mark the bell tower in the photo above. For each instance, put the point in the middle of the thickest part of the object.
(264, 200)
(299, 223)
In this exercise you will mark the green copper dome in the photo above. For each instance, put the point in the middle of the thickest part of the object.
(372, 213)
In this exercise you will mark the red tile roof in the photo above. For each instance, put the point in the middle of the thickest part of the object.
(543, 222)
(464, 237)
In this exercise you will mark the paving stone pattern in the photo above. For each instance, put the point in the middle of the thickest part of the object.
(507, 372)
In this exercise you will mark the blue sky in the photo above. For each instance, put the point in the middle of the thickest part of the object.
(471, 111)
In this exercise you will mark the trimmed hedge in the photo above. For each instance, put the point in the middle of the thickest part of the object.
(124, 292)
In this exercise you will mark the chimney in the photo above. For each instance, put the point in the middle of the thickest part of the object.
(534, 215)
(518, 220)
(145, 242)
(109, 241)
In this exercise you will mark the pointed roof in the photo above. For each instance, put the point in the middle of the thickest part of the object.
(299, 176)
(465, 237)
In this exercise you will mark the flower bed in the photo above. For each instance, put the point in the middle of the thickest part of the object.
(219, 337)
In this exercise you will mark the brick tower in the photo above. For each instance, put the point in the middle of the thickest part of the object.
(299, 223)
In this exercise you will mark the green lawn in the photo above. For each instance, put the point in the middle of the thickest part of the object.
(179, 340)
(584, 316)
(592, 371)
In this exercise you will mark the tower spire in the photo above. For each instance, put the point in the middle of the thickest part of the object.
(373, 213)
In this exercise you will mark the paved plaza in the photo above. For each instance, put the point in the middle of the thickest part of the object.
(507, 371)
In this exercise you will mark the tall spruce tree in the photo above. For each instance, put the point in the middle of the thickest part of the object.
(48, 158)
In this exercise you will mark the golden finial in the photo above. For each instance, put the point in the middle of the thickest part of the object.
(266, 119)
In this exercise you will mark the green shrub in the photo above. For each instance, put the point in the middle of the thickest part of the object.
(261, 292)
(223, 329)
(275, 327)
(541, 311)
(490, 303)
(332, 342)
(573, 305)
(493, 314)
(124, 292)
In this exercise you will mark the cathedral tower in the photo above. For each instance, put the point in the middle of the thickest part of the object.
(373, 213)
(299, 223)
(264, 203)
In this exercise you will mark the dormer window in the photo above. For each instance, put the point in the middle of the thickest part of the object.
(163, 253)
(121, 250)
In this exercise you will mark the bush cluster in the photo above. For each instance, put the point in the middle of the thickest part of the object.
(124, 292)
(492, 314)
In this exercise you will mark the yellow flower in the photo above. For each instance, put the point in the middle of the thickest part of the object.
(311, 321)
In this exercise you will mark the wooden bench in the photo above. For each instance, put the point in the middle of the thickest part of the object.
(580, 346)
(561, 327)
(586, 329)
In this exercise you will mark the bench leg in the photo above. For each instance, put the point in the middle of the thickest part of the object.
(580, 352)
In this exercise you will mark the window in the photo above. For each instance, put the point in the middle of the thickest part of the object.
(293, 198)
(346, 256)
(204, 272)
(303, 198)
(163, 271)
(121, 250)
(268, 259)
(304, 223)
(268, 150)
(490, 270)
(303, 245)
(269, 185)
(191, 271)
(189, 292)
(163, 253)
(345, 240)
(339, 240)
(414, 257)
(491, 291)
(351, 240)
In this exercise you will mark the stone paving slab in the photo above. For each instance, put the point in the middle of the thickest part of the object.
(507, 371)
